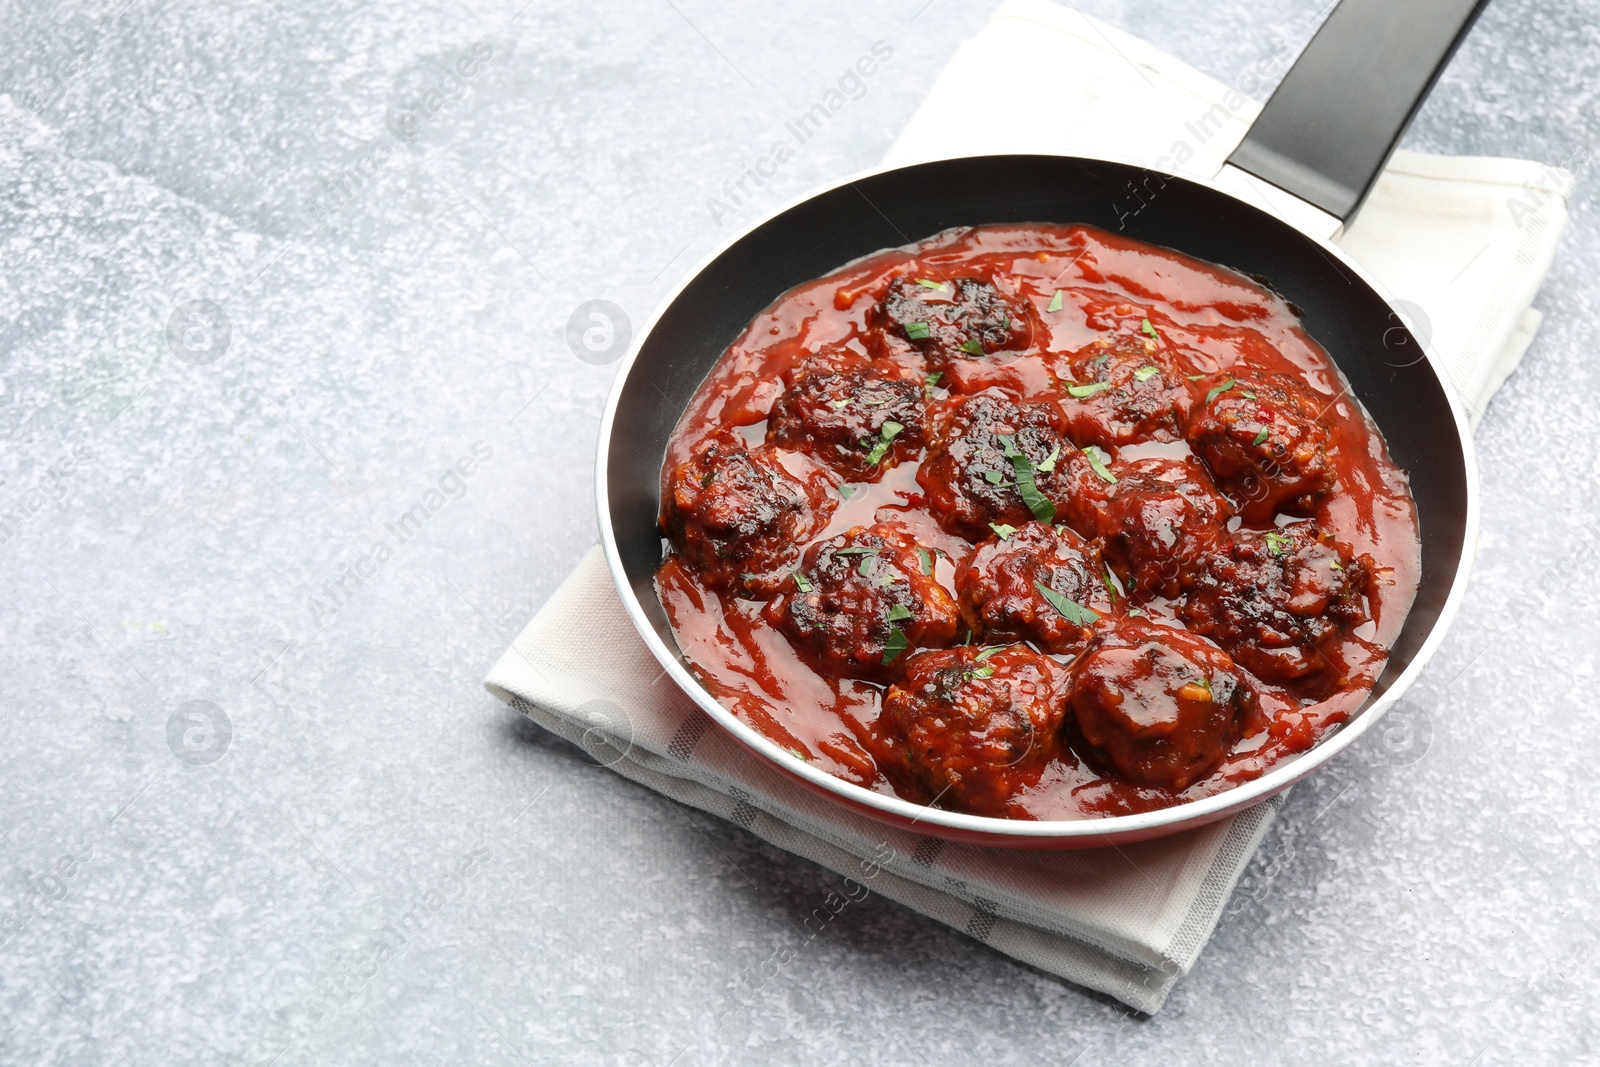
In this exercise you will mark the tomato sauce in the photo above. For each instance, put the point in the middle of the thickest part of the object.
(1207, 382)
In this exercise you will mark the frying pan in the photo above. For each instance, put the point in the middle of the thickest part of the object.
(1312, 155)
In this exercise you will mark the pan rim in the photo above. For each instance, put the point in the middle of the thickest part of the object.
(1159, 822)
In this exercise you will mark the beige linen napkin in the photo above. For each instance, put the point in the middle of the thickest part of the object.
(1462, 243)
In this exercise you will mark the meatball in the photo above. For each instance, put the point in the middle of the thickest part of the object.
(860, 600)
(740, 515)
(974, 727)
(848, 414)
(1276, 600)
(1162, 521)
(1156, 705)
(1042, 584)
(994, 462)
(948, 319)
(1264, 443)
(1125, 389)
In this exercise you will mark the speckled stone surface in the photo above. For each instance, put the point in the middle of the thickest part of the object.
(267, 305)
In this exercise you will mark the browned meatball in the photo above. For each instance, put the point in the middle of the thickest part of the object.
(1262, 438)
(741, 515)
(1276, 599)
(1161, 522)
(1042, 584)
(974, 727)
(857, 417)
(1123, 389)
(948, 319)
(1156, 705)
(861, 600)
(991, 456)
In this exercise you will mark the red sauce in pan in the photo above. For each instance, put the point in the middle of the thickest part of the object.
(1036, 522)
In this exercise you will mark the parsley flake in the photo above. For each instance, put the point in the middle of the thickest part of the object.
(846, 492)
(972, 346)
(886, 436)
(1083, 392)
(917, 331)
(1144, 374)
(987, 652)
(801, 582)
(1002, 530)
(839, 405)
(1277, 544)
(1218, 390)
(899, 612)
(1097, 462)
(926, 560)
(1066, 607)
(856, 550)
(1027, 488)
(1194, 377)
(896, 644)
(797, 754)
(1048, 464)
(1144, 324)
(993, 477)
(1055, 302)
(981, 672)
(929, 283)
(865, 570)
(1260, 437)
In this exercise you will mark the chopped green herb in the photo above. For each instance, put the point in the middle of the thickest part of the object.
(1194, 377)
(1068, 608)
(972, 346)
(886, 436)
(1218, 390)
(926, 560)
(1097, 462)
(1144, 374)
(797, 754)
(1206, 683)
(898, 612)
(993, 477)
(896, 644)
(1055, 302)
(856, 550)
(930, 380)
(839, 405)
(981, 672)
(987, 652)
(801, 582)
(878, 403)
(865, 570)
(1027, 488)
(1144, 324)
(846, 492)
(1002, 530)
(1048, 464)
(1083, 392)
(1277, 544)
(1135, 611)
(1260, 437)
(917, 331)
(1111, 585)
(929, 283)
(889, 579)
(1247, 394)
(747, 576)
(1336, 565)
(1101, 358)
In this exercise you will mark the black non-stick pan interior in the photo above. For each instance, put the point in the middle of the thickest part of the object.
(897, 207)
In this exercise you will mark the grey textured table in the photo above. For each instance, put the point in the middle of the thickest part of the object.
(266, 304)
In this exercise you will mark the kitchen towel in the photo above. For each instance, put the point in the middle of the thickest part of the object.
(1462, 244)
